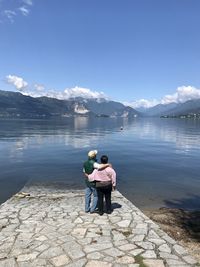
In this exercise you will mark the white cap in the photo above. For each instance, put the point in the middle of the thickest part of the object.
(92, 153)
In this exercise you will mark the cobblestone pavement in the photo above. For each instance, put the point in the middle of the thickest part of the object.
(50, 228)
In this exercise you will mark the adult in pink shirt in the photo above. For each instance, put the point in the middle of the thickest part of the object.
(105, 183)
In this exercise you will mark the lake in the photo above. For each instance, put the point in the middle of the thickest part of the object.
(156, 160)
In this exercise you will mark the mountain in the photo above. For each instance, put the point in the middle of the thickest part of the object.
(174, 109)
(190, 107)
(17, 105)
(110, 108)
(13, 104)
(159, 110)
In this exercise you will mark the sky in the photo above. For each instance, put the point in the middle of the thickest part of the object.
(139, 52)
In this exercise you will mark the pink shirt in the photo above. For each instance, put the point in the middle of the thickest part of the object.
(108, 174)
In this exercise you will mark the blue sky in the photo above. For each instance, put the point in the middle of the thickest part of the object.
(127, 49)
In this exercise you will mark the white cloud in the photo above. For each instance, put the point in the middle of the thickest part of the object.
(24, 10)
(38, 90)
(182, 94)
(144, 103)
(10, 14)
(19, 7)
(82, 92)
(39, 87)
(18, 82)
(28, 2)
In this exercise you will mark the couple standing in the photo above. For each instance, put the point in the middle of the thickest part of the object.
(100, 181)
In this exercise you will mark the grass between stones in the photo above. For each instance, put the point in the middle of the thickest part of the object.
(139, 260)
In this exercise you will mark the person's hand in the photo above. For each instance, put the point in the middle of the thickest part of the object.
(113, 188)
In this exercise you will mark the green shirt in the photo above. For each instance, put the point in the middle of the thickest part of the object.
(88, 168)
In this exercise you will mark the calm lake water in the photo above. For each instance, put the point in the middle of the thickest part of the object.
(156, 160)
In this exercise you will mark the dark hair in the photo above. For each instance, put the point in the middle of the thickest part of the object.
(104, 159)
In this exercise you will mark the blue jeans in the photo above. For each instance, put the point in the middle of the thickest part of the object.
(88, 195)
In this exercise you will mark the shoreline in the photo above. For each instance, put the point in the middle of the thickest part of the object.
(180, 224)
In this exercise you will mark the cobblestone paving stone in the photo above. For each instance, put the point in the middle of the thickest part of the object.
(50, 228)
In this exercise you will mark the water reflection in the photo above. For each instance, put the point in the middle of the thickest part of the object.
(158, 154)
(80, 123)
(183, 133)
(82, 132)
(17, 149)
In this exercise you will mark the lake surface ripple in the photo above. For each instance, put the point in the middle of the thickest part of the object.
(156, 160)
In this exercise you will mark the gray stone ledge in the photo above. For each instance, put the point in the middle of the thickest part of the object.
(47, 226)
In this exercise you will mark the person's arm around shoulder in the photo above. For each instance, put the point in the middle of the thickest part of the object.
(101, 167)
(91, 177)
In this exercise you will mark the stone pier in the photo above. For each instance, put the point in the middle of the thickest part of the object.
(45, 225)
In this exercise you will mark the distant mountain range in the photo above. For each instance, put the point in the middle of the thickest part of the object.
(189, 109)
(17, 105)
